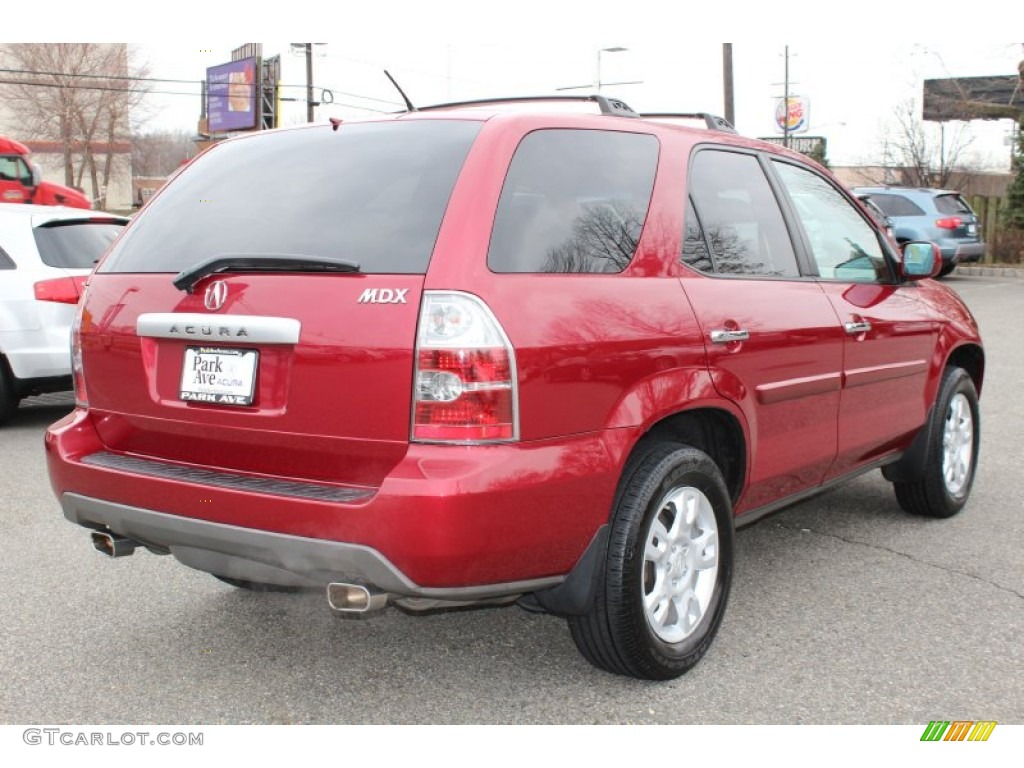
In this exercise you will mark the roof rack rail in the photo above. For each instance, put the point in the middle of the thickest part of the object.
(713, 122)
(607, 106)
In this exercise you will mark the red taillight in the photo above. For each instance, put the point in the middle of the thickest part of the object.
(465, 387)
(63, 290)
(953, 222)
(77, 369)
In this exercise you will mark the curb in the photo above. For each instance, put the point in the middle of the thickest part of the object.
(963, 269)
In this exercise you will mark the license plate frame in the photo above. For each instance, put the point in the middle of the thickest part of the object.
(219, 375)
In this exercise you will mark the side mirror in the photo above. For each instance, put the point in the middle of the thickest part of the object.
(920, 260)
(37, 175)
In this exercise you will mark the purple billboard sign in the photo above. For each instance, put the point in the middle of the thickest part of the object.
(231, 95)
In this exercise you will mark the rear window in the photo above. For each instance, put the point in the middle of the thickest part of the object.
(574, 201)
(75, 244)
(896, 205)
(373, 193)
(952, 204)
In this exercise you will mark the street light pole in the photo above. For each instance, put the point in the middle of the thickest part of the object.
(613, 49)
(309, 82)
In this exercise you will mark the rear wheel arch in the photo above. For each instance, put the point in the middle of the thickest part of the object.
(716, 432)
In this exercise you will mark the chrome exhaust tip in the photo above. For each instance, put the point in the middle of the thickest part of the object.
(112, 545)
(354, 598)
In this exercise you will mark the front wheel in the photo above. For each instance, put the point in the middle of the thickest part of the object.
(952, 453)
(664, 584)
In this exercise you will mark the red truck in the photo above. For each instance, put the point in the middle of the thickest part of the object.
(20, 181)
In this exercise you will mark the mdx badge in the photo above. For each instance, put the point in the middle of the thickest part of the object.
(216, 295)
(382, 296)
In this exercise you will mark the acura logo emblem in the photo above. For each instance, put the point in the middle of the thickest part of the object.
(216, 295)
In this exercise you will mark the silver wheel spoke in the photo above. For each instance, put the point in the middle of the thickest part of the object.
(707, 551)
(680, 563)
(957, 444)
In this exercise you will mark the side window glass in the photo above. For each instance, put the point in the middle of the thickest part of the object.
(25, 173)
(574, 201)
(8, 168)
(844, 246)
(5, 261)
(695, 247)
(740, 215)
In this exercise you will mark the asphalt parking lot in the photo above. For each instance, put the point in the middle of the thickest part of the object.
(844, 610)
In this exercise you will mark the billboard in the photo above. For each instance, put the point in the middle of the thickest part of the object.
(233, 102)
(806, 145)
(973, 98)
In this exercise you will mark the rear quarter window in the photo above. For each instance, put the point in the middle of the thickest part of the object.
(574, 201)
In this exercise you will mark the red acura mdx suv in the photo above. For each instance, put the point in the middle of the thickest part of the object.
(475, 354)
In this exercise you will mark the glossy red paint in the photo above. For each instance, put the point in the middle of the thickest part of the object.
(601, 360)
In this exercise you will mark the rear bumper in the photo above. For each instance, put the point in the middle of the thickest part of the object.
(266, 557)
(960, 253)
(449, 522)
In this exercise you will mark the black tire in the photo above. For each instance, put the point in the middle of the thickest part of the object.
(946, 269)
(622, 633)
(949, 469)
(8, 400)
(256, 586)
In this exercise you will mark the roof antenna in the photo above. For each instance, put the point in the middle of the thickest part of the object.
(408, 104)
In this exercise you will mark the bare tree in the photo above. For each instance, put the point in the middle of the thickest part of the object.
(78, 94)
(922, 156)
(162, 152)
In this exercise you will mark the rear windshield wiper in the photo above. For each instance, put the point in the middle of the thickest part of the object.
(266, 262)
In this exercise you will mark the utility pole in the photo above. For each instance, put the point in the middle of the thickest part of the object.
(730, 108)
(309, 82)
(785, 104)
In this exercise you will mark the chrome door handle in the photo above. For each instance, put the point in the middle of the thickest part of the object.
(727, 337)
(853, 329)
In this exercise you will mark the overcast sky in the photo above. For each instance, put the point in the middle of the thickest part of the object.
(848, 60)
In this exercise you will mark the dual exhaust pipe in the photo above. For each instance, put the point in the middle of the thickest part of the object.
(343, 598)
(355, 598)
(112, 545)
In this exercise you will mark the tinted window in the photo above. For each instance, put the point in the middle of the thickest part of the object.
(6, 262)
(844, 246)
(75, 244)
(695, 246)
(740, 216)
(896, 205)
(374, 193)
(573, 201)
(952, 204)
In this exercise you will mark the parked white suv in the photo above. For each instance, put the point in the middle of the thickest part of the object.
(46, 254)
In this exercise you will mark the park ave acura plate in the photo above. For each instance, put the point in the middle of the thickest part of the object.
(219, 375)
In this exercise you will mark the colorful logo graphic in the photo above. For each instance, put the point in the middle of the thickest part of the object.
(958, 730)
(791, 115)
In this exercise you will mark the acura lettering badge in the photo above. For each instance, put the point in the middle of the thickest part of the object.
(216, 295)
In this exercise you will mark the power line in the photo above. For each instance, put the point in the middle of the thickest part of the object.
(134, 78)
(129, 78)
(143, 92)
